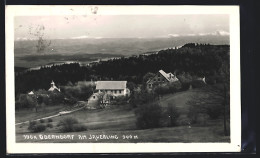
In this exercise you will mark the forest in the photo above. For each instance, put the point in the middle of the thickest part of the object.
(194, 59)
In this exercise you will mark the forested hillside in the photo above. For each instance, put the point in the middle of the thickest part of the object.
(195, 59)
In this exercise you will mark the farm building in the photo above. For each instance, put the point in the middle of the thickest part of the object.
(160, 78)
(113, 88)
(98, 100)
(94, 101)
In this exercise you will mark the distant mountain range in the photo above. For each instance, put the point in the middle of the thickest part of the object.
(122, 46)
(24, 50)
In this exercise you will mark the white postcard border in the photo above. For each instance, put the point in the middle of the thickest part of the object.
(235, 98)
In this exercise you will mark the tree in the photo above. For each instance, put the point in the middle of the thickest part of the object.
(148, 116)
(147, 76)
(225, 73)
(143, 97)
(27, 101)
(131, 86)
(213, 103)
(173, 114)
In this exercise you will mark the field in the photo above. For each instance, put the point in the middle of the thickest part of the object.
(120, 121)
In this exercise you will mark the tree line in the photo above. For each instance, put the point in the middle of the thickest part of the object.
(194, 59)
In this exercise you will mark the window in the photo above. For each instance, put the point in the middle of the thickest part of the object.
(115, 91)
(120, 91)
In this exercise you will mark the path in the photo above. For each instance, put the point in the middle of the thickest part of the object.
(68, 112)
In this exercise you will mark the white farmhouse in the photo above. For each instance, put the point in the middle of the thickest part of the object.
(114, 88)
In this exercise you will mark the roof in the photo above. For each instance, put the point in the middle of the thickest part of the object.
(31, 93)
(111, 85)
(99, 95)
(54, 88)
(168, 76)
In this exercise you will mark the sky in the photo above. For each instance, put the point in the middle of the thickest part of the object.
(119, 26)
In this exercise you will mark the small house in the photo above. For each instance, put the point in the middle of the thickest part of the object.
(203, 79)
(98, 100)
(160, 78)
(94, 101)
(31, 93)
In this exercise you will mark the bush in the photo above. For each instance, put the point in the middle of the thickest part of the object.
(42, 121)
(120, 100)
(211, 80)
(168, 88)
(71, 125)
(173, 114)
(18, 105)
(27, 101)
(50, 120)
(79, 127)
(148, 116)
(34, 127)
(197, 84)
(161, 90)
(214, 111)
(31, 124)
(193, 114)
(185, 79)
(185, 86)
(39, 128)
(56, 98)
(140, 98)
(80, 91)
(49, 125)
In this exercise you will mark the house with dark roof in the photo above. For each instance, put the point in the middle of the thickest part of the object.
(161, 78)
(114, 88)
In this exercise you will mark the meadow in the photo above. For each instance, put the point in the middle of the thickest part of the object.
(121, 121)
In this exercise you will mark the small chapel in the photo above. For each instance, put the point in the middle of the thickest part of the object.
(53, 87)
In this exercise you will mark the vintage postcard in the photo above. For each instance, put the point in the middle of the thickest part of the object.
(122, 79)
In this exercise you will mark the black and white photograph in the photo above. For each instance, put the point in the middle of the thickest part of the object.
(125, 78)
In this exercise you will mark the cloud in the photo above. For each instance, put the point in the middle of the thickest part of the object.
(25, 39)
(173, 35)
(83, 37)
(221, 33)
(216, 33)
(80, 37)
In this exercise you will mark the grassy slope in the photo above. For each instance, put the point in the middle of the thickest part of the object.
(27, 115)
(122, 121)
